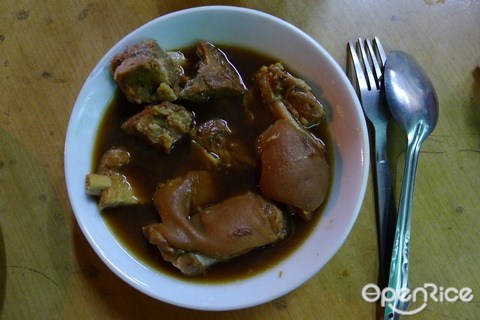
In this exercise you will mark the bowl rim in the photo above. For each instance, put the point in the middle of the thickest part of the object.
(209, 303)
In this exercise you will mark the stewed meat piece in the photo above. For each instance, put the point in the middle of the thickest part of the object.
(215, 76)
(283, 92)
(294, 170)
(217, 146)
(110, 183)
(161, 124)
(196, 231)
(114, 158)
(146, 73)
(119, 194)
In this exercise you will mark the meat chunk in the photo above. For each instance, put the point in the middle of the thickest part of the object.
(120, 193)
(161, 124)
(146, 73)
(294, 170)
(217, 146)
(194, 233)
(215, 76)
(114, 188)
(283, 92)
(114, 158)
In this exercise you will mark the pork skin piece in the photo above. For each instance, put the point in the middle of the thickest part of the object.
(194, 233)
(217, 146)
(161, 125)
(294, 170)
(281, 92)
(216, 76)
(146, 73)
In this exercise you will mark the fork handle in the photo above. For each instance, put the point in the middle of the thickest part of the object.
(386, 211)
(386, 218)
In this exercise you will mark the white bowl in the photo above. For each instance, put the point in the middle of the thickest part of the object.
(263, 33)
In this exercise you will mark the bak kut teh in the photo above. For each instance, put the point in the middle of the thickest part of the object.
(209, 160)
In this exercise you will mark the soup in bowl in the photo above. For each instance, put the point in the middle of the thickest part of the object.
(244, 196)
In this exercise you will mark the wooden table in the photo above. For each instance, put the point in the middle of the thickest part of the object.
(47, 268)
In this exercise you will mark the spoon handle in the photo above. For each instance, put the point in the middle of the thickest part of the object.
(398, 281)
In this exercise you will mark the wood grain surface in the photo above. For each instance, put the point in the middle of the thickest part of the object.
(49, 271)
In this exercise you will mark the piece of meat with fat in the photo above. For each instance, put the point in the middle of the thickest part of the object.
(120, 193)
(294, 170)
(216, 145)
(161, 125)
(109, 183)
(146, 73)
(287, 95)
(197, 231)
(216, 76)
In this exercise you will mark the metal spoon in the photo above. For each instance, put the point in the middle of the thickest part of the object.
(413, 103)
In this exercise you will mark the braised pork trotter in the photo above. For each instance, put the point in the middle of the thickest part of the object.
(193, 237)
(293, 167)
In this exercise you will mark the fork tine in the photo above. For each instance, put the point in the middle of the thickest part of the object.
(358, 67)
(366, 62)
(381, 52)
(377, 69)
(378, 57)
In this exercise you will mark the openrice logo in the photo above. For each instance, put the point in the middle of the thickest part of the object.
(429, 292)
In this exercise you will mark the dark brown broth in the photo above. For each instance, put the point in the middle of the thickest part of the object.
(151, 167)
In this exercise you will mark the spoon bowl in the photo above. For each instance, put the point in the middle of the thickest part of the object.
(413, 103)
(410, 94)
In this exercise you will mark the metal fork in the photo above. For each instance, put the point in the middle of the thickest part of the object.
(368, 58)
